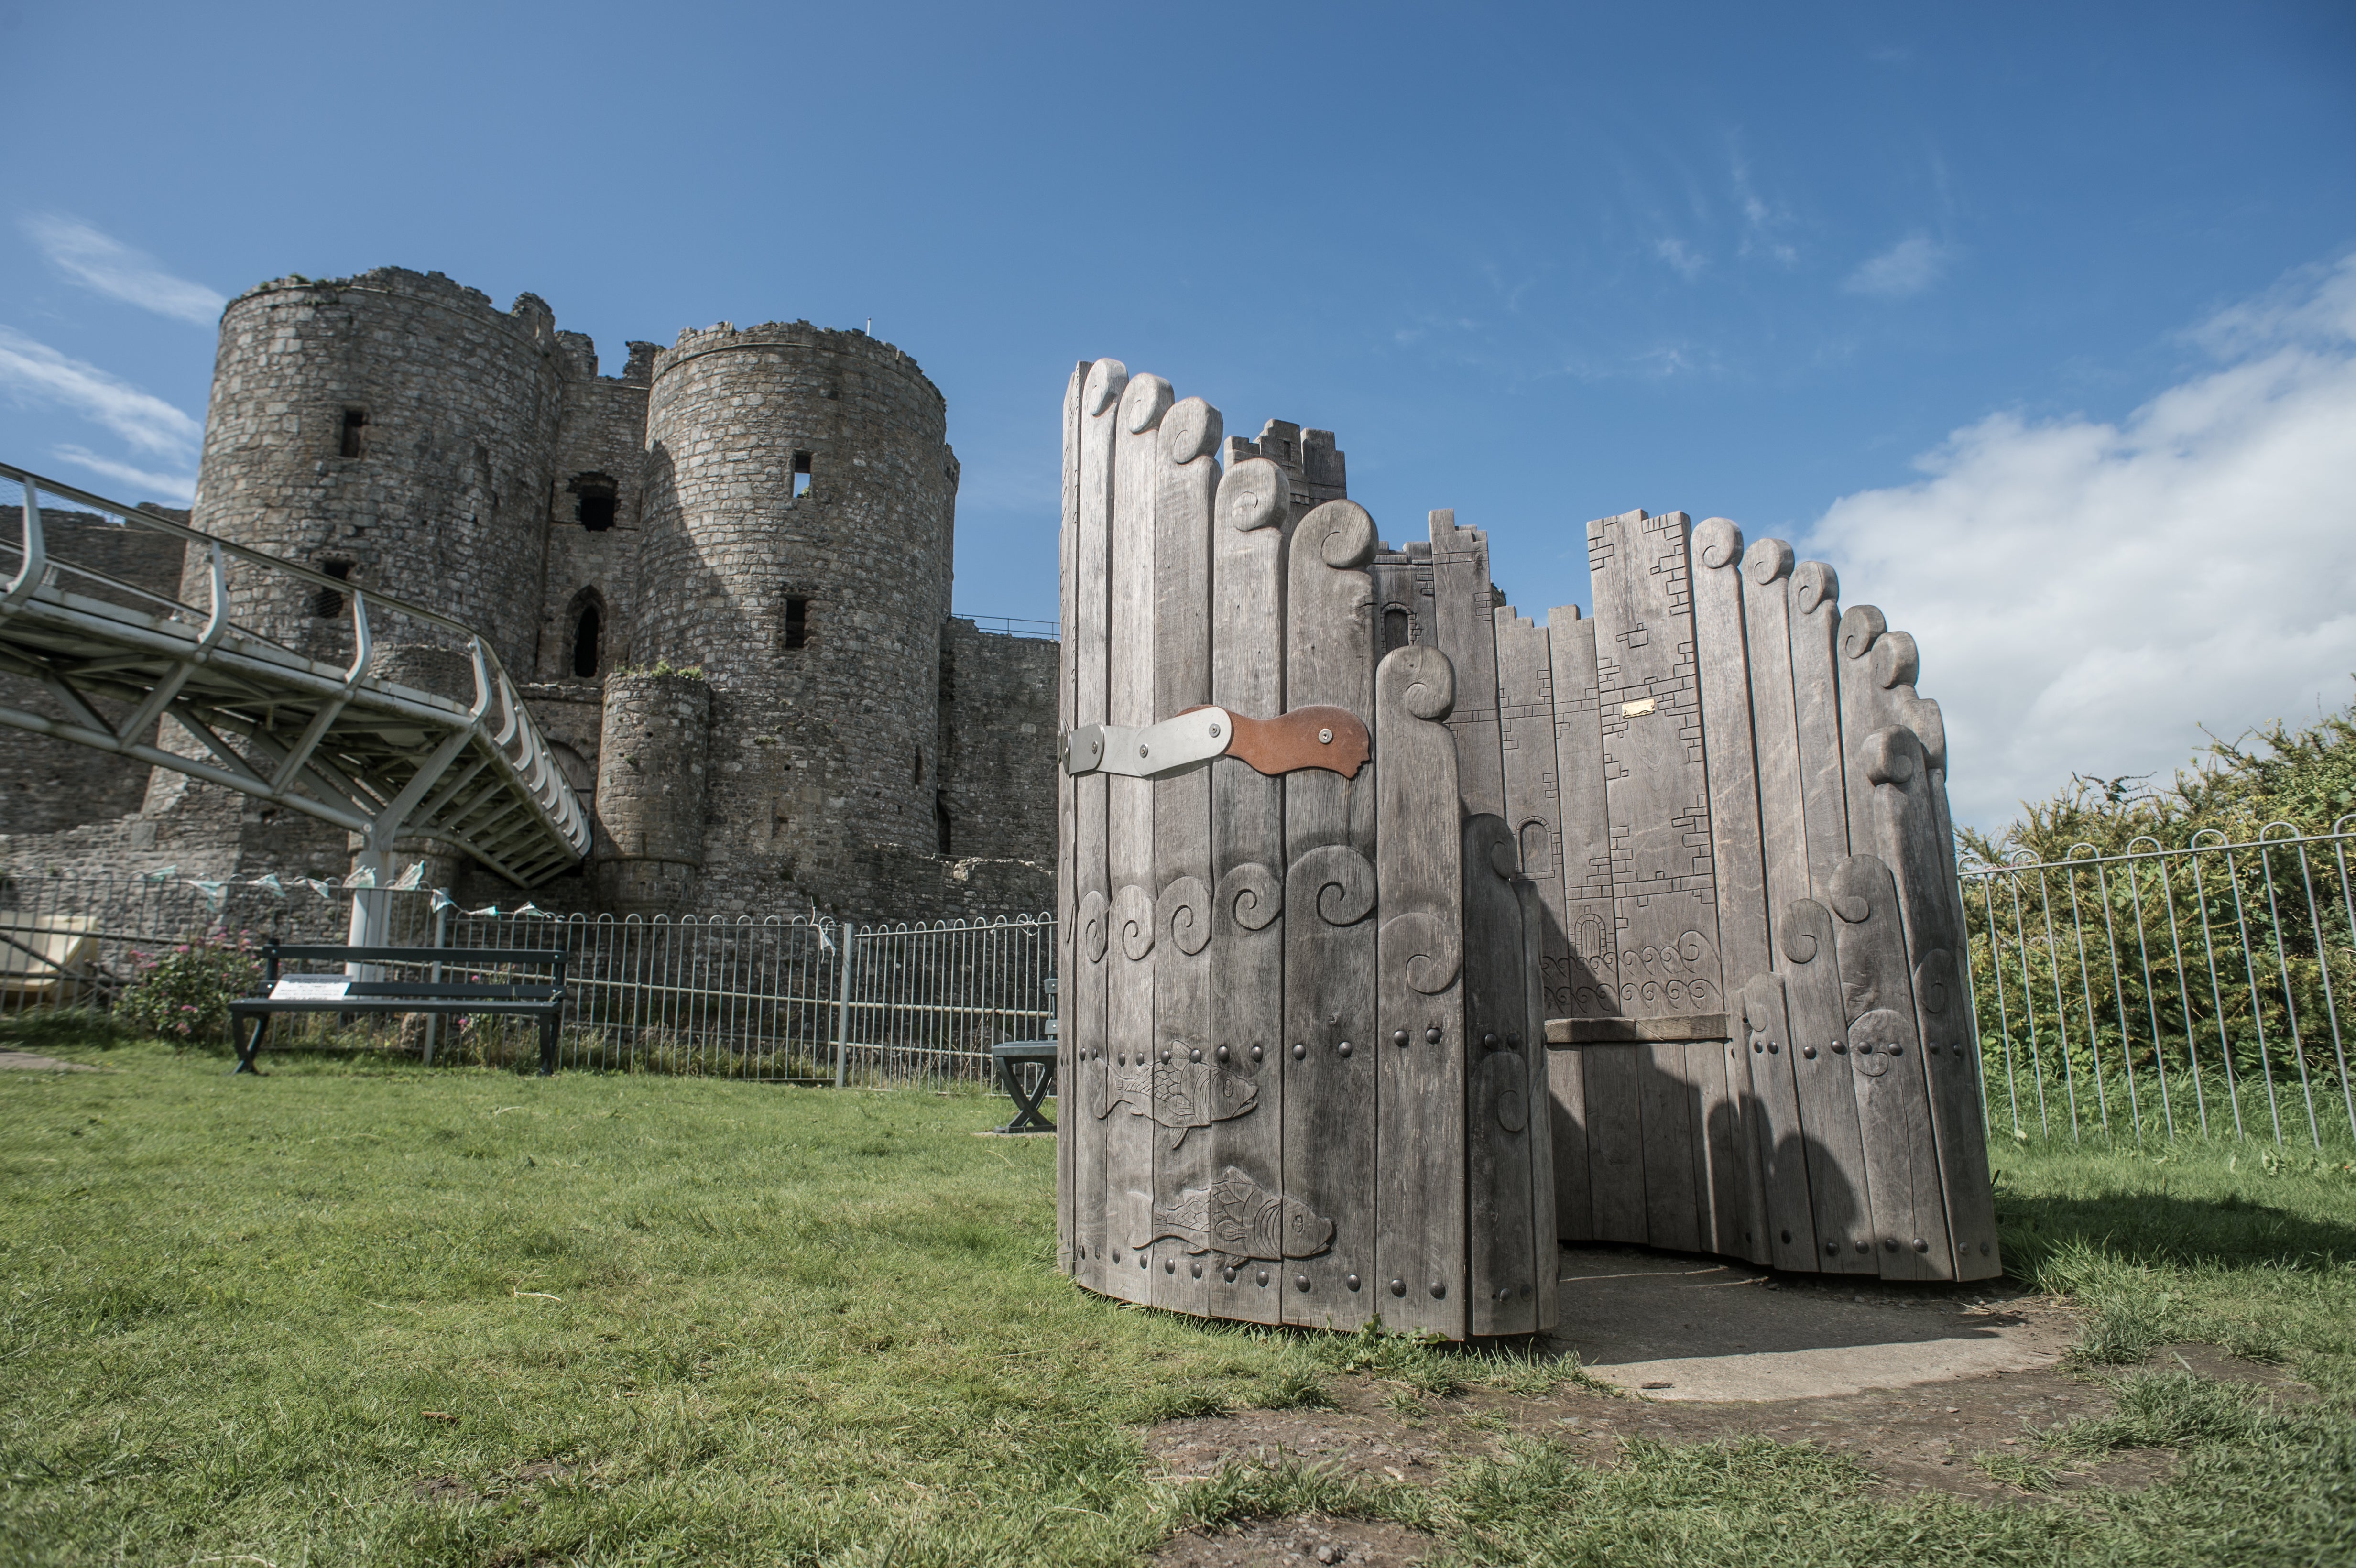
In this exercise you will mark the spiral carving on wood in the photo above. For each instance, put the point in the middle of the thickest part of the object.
(1875, 1038)
(1872, 960)
(1490, 839)
(1189, 430)
(1719, 542)
(1337, 881)
(1934, 980)
(1859, 625)
(1418, 678)
(1895, 661)
(1765, 562)
(1107, 378)
(1344, 534)
(1435, 949)
(1093, 927)
(1255, 494)
(1147, 398)
(1251, 895)
(1814, 583)
(1677, 976)
(1132, 911)
(1183, 911)
(1807, 932)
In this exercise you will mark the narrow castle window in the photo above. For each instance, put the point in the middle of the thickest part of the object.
(355, 432)
(797, 635)
(1395, 628)
(594, 500)
(941, 816)
(801, 475)
(586, 635)
(328, 604)
(916, 773)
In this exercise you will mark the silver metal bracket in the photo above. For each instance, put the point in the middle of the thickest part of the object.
(1148, 752)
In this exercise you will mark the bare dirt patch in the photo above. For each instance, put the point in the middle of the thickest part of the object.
(1302, 1540)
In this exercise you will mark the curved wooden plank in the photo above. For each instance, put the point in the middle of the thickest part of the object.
(1886, 1064)
(1247, 857)
(1775, 726)
(1329, 1089)
(1464, 608)
(1502, 1264)
(1129, 834)
(1587, 986)
(1545, 1260)
(1737, 1197)
(1187, 483)
(1090, 635)
(1419, 1242)
(1838, 1192)
(1815, 692)
(1067, 891)
(1777, 1132)
(1913, 832)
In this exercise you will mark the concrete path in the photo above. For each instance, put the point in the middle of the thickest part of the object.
(1677, 1327)
(26, 1062)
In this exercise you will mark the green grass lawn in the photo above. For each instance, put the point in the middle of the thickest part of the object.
(358, 1311)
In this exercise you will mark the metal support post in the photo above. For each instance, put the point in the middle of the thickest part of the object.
(842, 1006)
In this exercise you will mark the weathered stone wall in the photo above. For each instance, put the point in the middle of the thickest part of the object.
(892, 765)
(998, 745)
(653, 788)
(600, 443)
(826, 748)
(48, 785)
(447, 499)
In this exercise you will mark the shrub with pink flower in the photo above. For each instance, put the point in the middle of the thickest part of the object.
(185, 995)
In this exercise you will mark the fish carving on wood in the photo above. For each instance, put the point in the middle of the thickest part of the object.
(1182, 1095)
(1238, 1218)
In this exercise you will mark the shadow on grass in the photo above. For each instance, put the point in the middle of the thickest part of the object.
(2148, 1228)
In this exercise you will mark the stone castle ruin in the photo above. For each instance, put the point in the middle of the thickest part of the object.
(725, 574)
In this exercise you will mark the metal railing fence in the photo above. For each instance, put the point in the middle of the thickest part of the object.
(793, 999)
(2197, 991)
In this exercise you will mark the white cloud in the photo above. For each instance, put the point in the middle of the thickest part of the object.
(37, 372)
(2088, 596)
(1684, 259)
(180, 487)
(1907, 268)
(1763, 222)
(104, 264)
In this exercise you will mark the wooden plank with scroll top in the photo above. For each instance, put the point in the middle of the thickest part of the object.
(1502, 1278)
(1187, 481)
(1085, 1094)
(1886, 1059)
(1067, 923)
(1838, 1192)
(1247, 840)
(1329, 1089)
(1914, 838)
(1129, 837)
(1419, 1242)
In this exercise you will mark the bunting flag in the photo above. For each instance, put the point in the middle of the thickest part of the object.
(413, 879)
(270, 883)
(215, 893)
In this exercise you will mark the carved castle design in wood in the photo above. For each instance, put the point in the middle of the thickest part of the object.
(1640, 927)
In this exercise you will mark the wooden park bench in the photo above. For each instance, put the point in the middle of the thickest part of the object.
(341, 993)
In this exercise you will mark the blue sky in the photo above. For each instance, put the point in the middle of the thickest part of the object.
(1981, 293)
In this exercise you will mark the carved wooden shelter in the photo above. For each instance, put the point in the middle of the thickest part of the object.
(1404, 936)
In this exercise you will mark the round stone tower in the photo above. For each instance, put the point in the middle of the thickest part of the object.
(395, 430)
(801, 503)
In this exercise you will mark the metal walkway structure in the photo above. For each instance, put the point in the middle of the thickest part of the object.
(343, 744)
